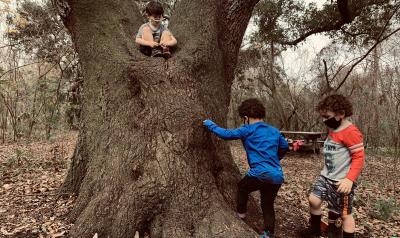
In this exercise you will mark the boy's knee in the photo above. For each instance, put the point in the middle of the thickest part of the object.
(166, 36)
(348, 217)
(315, 202)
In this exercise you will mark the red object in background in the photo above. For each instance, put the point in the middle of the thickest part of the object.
(297, 144)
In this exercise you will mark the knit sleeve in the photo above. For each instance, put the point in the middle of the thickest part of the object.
(354, 142)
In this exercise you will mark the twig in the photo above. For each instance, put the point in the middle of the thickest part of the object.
(328, 84)
(363, 57)
(379, 40)
(21, 66)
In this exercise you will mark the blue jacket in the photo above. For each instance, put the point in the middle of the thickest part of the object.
(261, 142)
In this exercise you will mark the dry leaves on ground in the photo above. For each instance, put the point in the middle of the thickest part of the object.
(377, 200)
(31, 174)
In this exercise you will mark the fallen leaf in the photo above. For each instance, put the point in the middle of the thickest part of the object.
(5, 232)
(7, 186)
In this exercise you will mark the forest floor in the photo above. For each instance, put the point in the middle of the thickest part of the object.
(31, 173)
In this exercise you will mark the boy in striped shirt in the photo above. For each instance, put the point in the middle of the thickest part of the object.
(344, 158)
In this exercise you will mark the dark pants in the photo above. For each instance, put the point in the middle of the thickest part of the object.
(146, 50)
(268, 193)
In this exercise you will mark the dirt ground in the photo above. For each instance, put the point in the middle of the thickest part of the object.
(31, 173)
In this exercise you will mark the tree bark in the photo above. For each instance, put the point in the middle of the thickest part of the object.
(143, 161)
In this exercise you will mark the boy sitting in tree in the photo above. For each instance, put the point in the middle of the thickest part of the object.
(344, 158)
(265, 147)
(154, 38)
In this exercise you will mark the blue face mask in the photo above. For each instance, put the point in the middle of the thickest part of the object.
(333, 123)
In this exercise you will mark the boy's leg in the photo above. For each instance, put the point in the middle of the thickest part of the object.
(315, 204)
(341, 222)
(268, 195)
(146, 50)
(147, 36)
(334, 225)
(315, 214)
(245, 187)
(315, 200)
(349, 225)
(165, 37)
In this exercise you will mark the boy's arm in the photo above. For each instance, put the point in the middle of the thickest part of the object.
(282, 147)
(143, 33)
(141, 41)
(227, 134)
(172, 40)
(354, 142)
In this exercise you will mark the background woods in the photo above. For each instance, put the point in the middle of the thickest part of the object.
(40, 77)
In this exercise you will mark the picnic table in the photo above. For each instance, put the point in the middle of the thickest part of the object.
(311, 138)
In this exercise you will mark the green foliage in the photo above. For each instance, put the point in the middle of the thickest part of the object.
(385, 209)
(368, 26)
(39, 30)
(285, 21)
(36, 31)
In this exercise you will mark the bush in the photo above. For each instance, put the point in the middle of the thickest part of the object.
(385, 209)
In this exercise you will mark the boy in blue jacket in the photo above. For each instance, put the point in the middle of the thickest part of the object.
(265, 147)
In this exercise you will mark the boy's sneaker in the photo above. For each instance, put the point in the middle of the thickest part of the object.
(266, 234)
(157, 52)
(166, 53)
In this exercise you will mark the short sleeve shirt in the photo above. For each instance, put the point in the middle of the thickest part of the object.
(156, 33)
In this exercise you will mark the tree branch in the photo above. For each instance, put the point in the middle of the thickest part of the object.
(236, 15)
(379, 40)
(21, 66)
(345, 12)
(347, 15)
(364, 56)
(114, 23)
(301, 38)
(328, 85)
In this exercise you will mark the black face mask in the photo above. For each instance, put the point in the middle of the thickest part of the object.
(244, 120)
(333, 123)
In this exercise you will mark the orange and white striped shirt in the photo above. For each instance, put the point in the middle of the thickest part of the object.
(344, 154)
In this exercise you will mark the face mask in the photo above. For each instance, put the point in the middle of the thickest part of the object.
(155, 22)
(244, 120)
(333, 123)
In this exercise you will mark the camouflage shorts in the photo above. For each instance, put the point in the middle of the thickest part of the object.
(326, 190)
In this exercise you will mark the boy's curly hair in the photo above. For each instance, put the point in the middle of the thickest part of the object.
(252, 108)
(154, 8)
(336, 103)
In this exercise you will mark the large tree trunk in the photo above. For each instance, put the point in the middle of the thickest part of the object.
(144, 162)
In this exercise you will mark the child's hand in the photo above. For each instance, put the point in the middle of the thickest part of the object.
(207, 123)
(153, 44)
(164, 45)
(344, 186)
